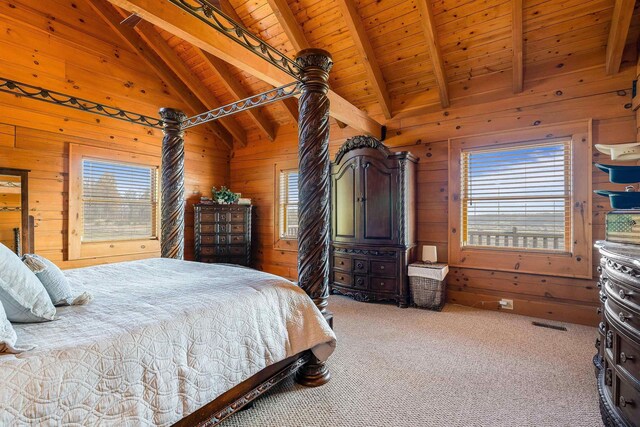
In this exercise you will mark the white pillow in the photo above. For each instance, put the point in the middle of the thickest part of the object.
(21, 293)
(54, 281)
(8, 336)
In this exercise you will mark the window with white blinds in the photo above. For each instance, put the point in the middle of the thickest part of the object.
(517, 197)
(288, 204)
(119, 201)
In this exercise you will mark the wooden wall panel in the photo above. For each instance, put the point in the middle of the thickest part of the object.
(578, 93)
(36, 135)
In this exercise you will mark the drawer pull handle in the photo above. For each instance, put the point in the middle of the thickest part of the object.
(381, 283)
(382, 267)
(341, 262)
(624, 402)
(624, 294)
(624, 357)
(360, 265)
(599, 269)
(599, 310)
(623, 317)
(360, 282)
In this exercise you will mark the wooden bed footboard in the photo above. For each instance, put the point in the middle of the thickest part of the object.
(232, 401)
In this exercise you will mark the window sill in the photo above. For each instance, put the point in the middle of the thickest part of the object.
(286, 245)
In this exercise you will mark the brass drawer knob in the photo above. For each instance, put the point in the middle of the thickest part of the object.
(382, 267)
(341, 262)
(624, 357)
(623, 317)
(624, 402)
(381, 283)
(599, 310)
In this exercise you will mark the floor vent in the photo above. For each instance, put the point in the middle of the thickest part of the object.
(546, 325)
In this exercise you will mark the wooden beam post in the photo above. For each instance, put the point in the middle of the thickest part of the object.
(112, 17)
(199, 33)
(363, 45)
(172, 236)
(429, 29)
(518, 42)
(314, 193)
(620, 22)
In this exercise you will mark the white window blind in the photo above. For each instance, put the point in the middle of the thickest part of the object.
(119, 201)
(288, 197)
(517, 197)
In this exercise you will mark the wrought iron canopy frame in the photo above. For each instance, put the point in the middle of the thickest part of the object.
(57, 98)
(221, 22)
(264, 98)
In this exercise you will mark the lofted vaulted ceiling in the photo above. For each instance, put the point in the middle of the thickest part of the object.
(392, 58)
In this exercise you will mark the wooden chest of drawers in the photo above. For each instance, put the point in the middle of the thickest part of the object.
(618, 359)
(222, 233)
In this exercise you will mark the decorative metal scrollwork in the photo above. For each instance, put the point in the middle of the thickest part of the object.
(215, 18)
(273, 95)
(52, 97)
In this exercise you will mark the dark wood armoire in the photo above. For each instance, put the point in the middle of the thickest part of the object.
(372, 221)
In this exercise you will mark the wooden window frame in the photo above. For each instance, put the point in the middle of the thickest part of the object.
(577, 262)
(279, 242)
(78, 249)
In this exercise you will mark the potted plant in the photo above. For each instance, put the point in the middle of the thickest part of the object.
(224, 196)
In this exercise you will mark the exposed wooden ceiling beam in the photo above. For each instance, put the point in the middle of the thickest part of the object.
(365, 50)
(171, 58)
(289, 24)
(429, 28)
(176, 21)
(518, 41)
(291, 106)
(222, 71)
(133, 40)
(620, 22)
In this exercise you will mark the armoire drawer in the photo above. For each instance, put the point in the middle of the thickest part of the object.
(628, 399)
(237, 216)
(383, 268)
(360, 265)
(624, 293)
(629, 319)
(628, 357)
(207, 228)
(237, 228)
(207, 239)
(342, 263)
(383, 284)
(342, 278)
(237, 250)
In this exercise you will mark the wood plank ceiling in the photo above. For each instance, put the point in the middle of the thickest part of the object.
(396, 57)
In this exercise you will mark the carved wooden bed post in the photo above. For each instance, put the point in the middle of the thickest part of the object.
(172, 240)
(313, 190)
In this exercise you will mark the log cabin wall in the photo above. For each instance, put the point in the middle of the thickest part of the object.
(572, 88)
(65, 46)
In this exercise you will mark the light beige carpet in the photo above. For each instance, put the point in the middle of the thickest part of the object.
(459, 367)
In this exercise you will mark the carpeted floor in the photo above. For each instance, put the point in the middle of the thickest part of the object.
(460, 367)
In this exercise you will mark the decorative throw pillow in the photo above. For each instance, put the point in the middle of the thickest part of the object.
(54, 281)
(21, 293)
(8, 336)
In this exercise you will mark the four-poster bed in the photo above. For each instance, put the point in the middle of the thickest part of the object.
(310, 70)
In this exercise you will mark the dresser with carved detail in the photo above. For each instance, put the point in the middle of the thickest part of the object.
(222, 233)
(372, 221)
(618, 359)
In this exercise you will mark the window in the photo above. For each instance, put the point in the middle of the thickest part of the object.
(113, 203)
(517, 196)
(286, 205)
(521, 200)
(119, 201)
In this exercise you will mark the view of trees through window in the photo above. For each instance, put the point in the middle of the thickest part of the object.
(288, 218)
(518, 197)
(119, 201)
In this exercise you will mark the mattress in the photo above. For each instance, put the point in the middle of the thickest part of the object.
(162, 338)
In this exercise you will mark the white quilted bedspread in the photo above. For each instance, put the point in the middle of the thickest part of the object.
(161, 338)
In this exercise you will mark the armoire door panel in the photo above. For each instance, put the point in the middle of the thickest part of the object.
(345, 198)
(378, 184)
